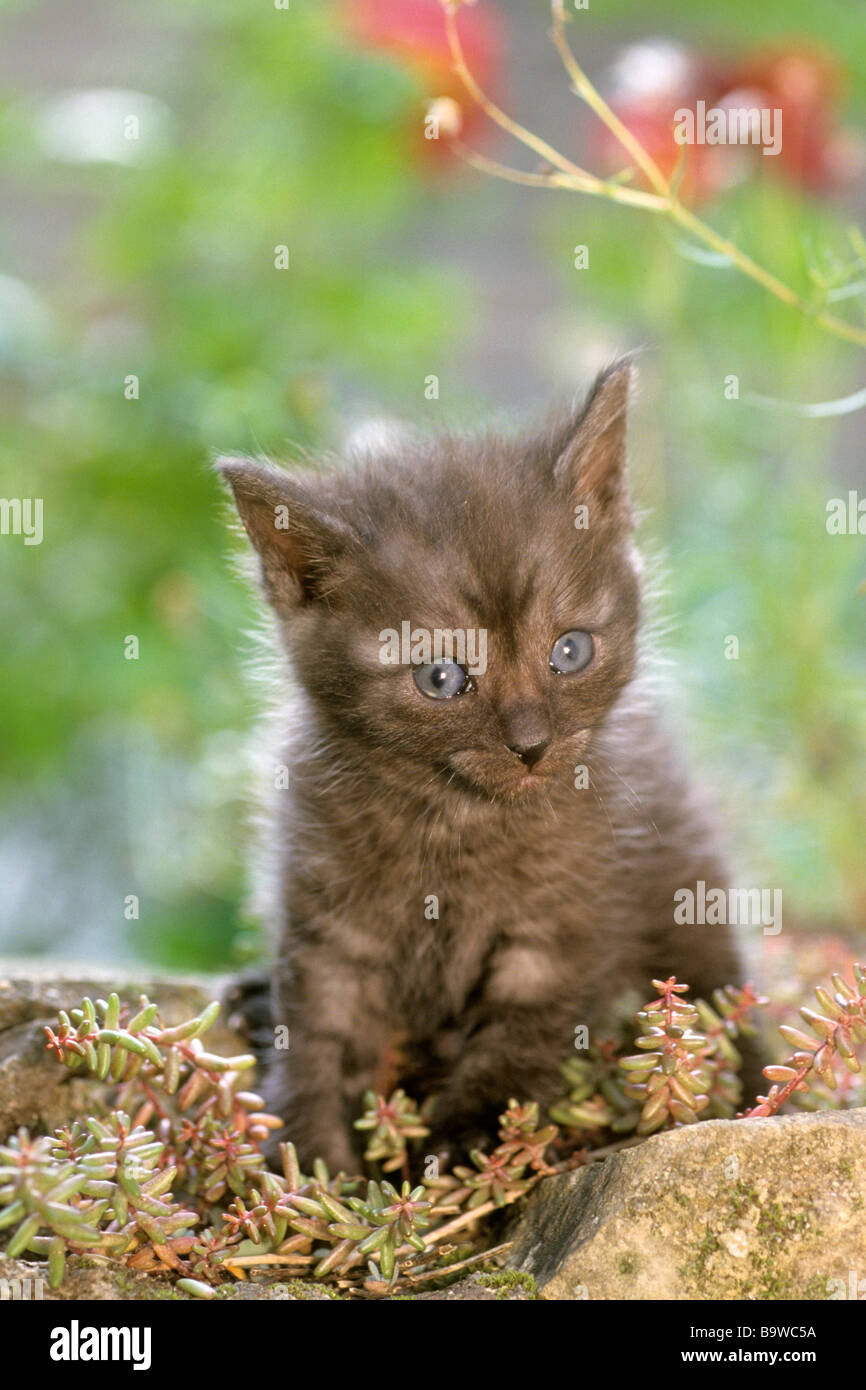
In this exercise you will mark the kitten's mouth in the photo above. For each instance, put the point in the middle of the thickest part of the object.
(488, 775)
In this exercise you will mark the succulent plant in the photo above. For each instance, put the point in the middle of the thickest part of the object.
(96, 1186)
(392, 1123)
(171, 1177)
(730, 1018)
(596, 1094)
(669, 1076)
(839, 1030)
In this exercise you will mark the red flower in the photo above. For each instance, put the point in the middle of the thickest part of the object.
(650, 82)
(414, 32)
(804, 83)
(654, 81)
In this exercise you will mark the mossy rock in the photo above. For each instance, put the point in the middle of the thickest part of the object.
(727, 1209)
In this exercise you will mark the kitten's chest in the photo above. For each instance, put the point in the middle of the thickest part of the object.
(465, 905)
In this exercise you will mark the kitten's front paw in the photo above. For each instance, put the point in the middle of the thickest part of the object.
(453, 1143)
(333, 1146)
(339, 1156)
(247, 1003)
(314, 1129)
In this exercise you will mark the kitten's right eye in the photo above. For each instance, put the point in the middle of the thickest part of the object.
(572, 652)
(441, 680)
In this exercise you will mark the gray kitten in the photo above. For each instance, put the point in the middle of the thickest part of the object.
(476, 860)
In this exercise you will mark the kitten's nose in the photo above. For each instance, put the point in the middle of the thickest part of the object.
(526, 731)
(530, 753)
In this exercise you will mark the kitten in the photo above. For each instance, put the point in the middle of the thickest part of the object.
(483, 861)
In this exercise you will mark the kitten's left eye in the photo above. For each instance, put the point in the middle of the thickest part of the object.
(572, 652)
(441, 680)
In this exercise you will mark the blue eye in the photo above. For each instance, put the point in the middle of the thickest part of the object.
(572, 652)
(441, 680)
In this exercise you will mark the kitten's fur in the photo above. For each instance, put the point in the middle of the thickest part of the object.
(552, 900)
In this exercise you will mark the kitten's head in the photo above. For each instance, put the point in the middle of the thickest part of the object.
(518, 549)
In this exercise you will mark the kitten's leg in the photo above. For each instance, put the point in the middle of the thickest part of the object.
(336, 1022)
(514, 1052)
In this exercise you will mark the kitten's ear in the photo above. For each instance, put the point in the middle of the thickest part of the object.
(591, 457)
(297, 537)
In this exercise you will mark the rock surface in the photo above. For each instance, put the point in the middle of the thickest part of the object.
(727, 1209)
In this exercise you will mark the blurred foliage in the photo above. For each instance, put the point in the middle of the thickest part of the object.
(283, 136)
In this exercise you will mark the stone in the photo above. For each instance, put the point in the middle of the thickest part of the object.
(726, 1209)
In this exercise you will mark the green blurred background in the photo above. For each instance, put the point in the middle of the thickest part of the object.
(262, 127)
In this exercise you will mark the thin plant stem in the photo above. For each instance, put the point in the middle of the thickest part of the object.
(495, 113)
(593, 98)
(481, 1257)
(563, 173)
